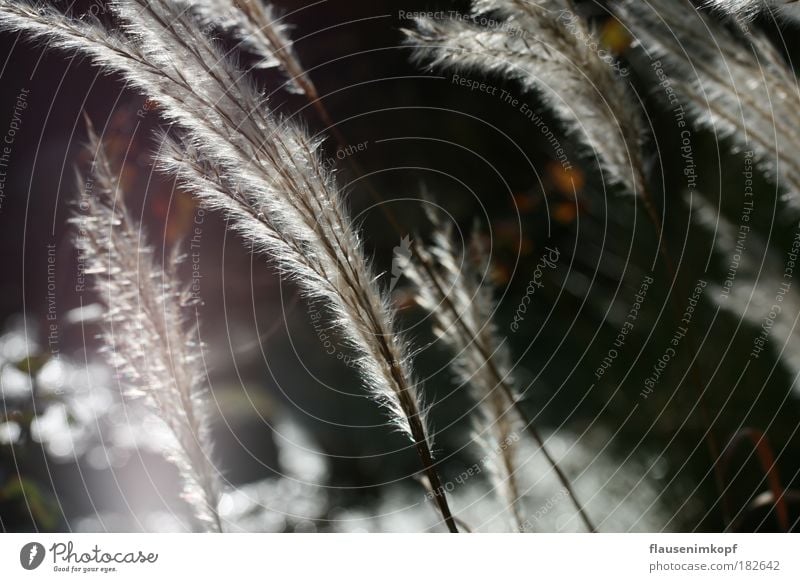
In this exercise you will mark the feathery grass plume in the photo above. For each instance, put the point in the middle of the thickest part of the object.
(265, 173)
(457, 281)
(548, 49)
(148, 340)
(737, 86)
(449, 285)
(259, 31)
(749, 9)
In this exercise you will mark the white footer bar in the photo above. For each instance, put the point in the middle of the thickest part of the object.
(400, 557)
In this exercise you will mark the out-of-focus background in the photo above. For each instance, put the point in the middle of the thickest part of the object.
(298, 442)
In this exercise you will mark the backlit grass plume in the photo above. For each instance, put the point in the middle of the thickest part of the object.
(737, 86)
(549, 50)
(263, 172)
(451, 286)
(259, 31)
(448, 286)
(749, 9)
(149, 340)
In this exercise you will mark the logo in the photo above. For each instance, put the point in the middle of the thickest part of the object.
(402, 257)
(31, 555)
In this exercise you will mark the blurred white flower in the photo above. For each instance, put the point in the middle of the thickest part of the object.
(14, 383)
(9, 432)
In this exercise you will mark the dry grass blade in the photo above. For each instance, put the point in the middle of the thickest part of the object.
(769, 466)
(155, 350)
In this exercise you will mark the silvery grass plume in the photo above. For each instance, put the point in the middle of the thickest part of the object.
(150, 343)
(257, 30)
(737, 86)
(549, 50)
(462, 315)
(450, 285)
(749, 9)
(264, 173)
